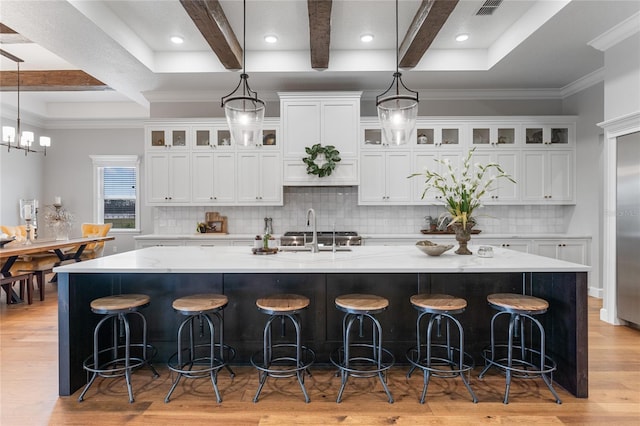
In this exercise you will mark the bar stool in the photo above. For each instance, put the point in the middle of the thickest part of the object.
(526, 362)
(197, 358)
(120, 362)
(441, 359)
(361, 358)
(283, 359)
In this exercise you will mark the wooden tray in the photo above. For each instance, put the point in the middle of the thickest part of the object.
(262, 250)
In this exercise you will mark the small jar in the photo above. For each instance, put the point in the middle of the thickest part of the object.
(485, 251)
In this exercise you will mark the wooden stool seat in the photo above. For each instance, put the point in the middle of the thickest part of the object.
(438, 302)
(283, 302)
(119, 302)
(361, 302)
(200, 303)
(518, 303)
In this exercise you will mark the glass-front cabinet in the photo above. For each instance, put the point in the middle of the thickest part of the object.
(562, 135)
(207, 138)
(430, 136)
(487, 135)
(163, 138)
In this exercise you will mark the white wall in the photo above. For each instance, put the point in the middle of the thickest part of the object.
(69, 173)
(20, 177)
(586, 216)
(622, 79)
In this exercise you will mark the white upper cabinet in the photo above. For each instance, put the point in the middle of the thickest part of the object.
(383, 178)
(504, 191)
(208, 138)
(167, 137)
(434, 135)
(213, 177)
(548, 177)
(489, 135)
(435, 161)
(561, 135)
(259, 178)
(168, 178)
(325, 119)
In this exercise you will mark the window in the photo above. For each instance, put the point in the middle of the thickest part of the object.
(116, 192)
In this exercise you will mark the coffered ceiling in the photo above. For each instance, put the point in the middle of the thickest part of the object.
(123, 60)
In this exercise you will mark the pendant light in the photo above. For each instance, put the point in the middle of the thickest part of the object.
(244, 111)
(15, 138)
(397, 111)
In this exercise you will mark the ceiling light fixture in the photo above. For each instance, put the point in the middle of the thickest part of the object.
(176, 39)
(244, 111)
(397, 111)
(14, 137)
(270, 38)
(462, 37)
(366, 38)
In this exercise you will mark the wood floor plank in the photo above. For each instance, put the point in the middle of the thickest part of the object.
(28, 389)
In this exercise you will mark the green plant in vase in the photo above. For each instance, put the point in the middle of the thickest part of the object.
(462, 191)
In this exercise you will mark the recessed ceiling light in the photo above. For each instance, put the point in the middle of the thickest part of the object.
(462, 37)
(366, 38)
(177, 40)
(270, 39)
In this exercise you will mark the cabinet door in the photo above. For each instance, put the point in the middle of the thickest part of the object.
(157, 177)
(301, 126)
(248, 177)
(179, 178)
(560, 176)
(271, 178)
(224, 177)
(340, 124)
(372, 177)
(202, 178)
(533, 176)
(568, 250)
(421, 162)
(259, 178)
(398, 167)
(507, 191)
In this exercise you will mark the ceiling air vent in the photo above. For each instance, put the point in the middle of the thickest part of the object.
(488, 7)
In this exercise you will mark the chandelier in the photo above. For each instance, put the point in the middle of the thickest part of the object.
(14, 137)
(242, 108)
(397, 110)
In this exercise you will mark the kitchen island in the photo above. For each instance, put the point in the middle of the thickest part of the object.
(165, 273)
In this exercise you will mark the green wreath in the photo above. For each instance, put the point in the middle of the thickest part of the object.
(331, 156)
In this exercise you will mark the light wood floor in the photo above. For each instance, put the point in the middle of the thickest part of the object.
(28, 389)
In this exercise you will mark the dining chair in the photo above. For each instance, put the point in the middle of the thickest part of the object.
(93, 250)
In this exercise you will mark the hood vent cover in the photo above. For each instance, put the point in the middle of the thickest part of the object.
(488, 7)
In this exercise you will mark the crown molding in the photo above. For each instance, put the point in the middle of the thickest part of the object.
(137, 123)
(583, 83)
(615, 35)
(623, 125)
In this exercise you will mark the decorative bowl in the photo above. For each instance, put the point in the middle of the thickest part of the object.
(433, 249)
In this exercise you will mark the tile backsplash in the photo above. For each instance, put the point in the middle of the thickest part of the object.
(339, 206)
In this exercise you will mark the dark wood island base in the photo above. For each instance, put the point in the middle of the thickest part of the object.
(565, 322)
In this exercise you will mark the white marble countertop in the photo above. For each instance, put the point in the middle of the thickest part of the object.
(363, 259)
(416, 236)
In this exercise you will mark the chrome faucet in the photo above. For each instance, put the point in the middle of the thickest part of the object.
(311, 215)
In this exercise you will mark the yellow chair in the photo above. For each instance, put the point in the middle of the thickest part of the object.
(36, 264)
(93, 250)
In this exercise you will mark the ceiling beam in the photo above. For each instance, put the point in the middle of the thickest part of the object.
(45, 81)
(6, 30)
(214, 27)
(429, 19)
(319, 32)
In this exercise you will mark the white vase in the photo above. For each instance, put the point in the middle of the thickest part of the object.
(61, 230)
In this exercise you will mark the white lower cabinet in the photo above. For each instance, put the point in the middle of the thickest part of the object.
(259, 178)
(168, 178)
(383, 178)
(575, 251)
(159, 243)
(213, 178)
(524, 246)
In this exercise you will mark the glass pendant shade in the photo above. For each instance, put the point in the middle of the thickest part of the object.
(26, 138)
(397, 117)
(8, 134)
(245, 117)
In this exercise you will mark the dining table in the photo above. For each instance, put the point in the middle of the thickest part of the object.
(66, 250)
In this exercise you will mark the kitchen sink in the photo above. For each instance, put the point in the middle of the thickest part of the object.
(299, 238)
